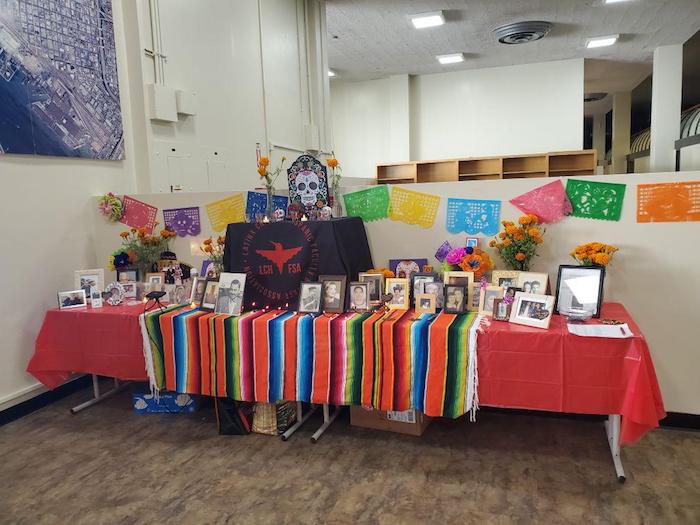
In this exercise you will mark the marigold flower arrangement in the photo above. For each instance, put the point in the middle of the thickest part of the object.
(517, 243)
(143, 248)
(468, 259)
(269, 176)
(594, 253)
(215, 251)
(386, 272)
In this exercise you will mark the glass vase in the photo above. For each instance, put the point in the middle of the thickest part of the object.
(270, 207)
(335, 204)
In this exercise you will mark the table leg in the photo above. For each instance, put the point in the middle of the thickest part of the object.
(97, 396)
(300, 420)
(612, 429)
(327, 420)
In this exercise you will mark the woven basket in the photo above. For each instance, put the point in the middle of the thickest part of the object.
(274, 419)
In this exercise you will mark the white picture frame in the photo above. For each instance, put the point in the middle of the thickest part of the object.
(71, 299)
(528, 309)
(533, 282)
(230, 297)
(87, 279)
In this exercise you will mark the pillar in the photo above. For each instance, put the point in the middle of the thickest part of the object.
(599, 140)
(666, 91)
(399, 119)
(622, 115)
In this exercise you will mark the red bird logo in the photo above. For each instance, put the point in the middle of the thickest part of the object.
(279, 255)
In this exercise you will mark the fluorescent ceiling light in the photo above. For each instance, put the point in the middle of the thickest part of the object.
(601, 41)
(454, 58)
(614, 1)
(432, 19)
(331, 73)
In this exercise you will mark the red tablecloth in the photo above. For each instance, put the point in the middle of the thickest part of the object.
(105, 341)
(531, 368)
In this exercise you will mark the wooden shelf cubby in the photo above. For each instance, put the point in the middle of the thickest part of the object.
(552, 164)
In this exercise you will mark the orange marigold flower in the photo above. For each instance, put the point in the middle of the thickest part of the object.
(492, 244)
(262, 170)
(601, 258)
(519, 236)
(520, 256)
(511, 230)
(538, 240)
(124, 234)
(165, 234)
(264, 161)
(208, 248)
(534, 219)
(133, 230)
(207, 242)
(533, 232)
(221, 240)
(332, 162)
(524, 220)
(506, 242)
(502, 235)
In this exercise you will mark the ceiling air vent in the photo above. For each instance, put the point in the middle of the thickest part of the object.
(522, 32)
(594, 97)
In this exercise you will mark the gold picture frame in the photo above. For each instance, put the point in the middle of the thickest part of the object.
(426, 303)
(458, 278)
(498, 276)
(402, 301)
(486, 299)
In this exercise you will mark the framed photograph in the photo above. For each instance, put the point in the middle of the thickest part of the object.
(155, 278)
(510, 291)
(403, 268)
(127, 273)
(72, 299)
(426, 303)
(208, 269)
(197, 293)
(229, 298)
(531, 309)
(472, 242)
(89, 279)
(130, 289)
(310, 298)
(501, 310)
(113, 294)
(434, 288)
(464, 279)
(418, 279)
(504, 278)
(96, 298)
(532, 282)
(399, 289)
(376, 285)
(455, 299)
(210, 295)
(359, 296)
(579, 288)
(487, 297)
(333, 293)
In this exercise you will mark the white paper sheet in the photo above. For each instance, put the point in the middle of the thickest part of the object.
(615, 331)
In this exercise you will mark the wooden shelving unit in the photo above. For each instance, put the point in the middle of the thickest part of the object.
(553, 164)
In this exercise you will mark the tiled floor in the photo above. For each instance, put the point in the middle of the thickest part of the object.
(110, 465)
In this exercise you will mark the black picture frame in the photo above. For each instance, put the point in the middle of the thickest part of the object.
(434, 276)
(365, 286)
(324, 280)
(597, 269)
(465, 297)
(204, 295)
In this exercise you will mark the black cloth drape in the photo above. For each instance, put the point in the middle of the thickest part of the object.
(278, 256)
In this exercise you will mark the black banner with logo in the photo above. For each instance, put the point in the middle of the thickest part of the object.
(278, 256)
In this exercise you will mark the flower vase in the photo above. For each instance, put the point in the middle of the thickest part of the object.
(336, 205)
(270, 207)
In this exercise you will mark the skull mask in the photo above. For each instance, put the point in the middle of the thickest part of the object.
(307, 187)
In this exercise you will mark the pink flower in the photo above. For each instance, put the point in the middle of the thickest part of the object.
(456, 255)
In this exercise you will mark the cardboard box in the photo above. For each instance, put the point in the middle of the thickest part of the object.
(409, 422)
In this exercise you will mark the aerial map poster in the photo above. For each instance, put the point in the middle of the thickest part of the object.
(59, 93)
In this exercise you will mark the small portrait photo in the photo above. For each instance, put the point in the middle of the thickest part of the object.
(504, 278)
(130, 289)
(455, 299)
(532, 310)
(72, 299)
(532, 282)
(418, 280)
(510, 291)
(472, 242)
(197, 293)
(376, 285)
(96, 298)
(310, 298)
(434, 288)
(155, 278)
(399, 290)
(127, 274)
(465, 279)
(211, 294)
(501, 310)
(208, 269)
(333, 293)
(230, 297)
(425, 303)
(475, 296)
(487, 297)
(359, 296)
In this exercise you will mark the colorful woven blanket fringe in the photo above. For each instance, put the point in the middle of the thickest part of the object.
(388, 361)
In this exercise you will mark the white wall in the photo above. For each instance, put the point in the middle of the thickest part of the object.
(505, 110)
(690, 158)
(654, 274)
(46, 210)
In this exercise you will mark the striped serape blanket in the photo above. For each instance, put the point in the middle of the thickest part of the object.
(393, 360)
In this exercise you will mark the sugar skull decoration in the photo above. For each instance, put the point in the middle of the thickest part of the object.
(308, 183)
(278, 214)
